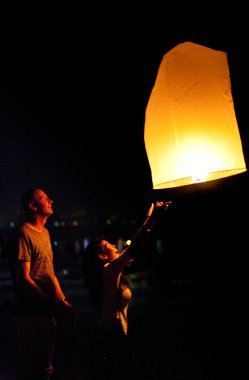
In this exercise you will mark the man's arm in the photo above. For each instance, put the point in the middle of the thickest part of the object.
(61, 307)
(59, 295)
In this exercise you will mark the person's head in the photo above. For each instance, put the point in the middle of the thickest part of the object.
(97, 253)
(100, 251)
(36, 202)
(106, 251)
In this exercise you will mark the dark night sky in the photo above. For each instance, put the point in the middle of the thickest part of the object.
(72, 109)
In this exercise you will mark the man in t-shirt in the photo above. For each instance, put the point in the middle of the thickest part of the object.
(38, 297)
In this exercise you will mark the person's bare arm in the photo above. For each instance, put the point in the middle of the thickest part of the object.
(63, 307)
(117, 265)
(153, 216)
(59, 294)
(59, 304)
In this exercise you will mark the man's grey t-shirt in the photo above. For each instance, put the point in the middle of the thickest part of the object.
(35, 247)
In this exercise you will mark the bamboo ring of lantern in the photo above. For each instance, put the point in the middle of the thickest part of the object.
(191, 133)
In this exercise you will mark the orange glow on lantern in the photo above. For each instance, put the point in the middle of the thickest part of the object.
(191, 133)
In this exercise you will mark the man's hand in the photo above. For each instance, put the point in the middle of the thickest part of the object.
(65, 311)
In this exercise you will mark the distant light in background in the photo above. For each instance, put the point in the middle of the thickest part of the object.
(85, 243)
(191, 133)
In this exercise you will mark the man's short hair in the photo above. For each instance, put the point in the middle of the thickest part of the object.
(28, 197)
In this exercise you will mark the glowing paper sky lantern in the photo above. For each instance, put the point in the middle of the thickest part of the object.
(191, 133)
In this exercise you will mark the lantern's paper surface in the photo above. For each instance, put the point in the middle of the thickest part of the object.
(191, 133)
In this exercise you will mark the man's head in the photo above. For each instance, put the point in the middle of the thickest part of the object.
(36, 202)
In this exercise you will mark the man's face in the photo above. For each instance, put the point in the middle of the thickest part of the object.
(42, 204)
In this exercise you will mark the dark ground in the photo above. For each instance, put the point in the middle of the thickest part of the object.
(192, 328)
